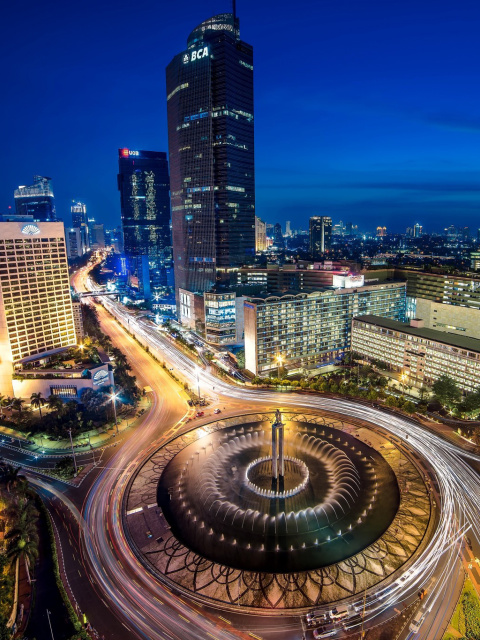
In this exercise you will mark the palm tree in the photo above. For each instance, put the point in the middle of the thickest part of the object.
(37, 400)
(54, 403)
(23, 537)
(10, 475)
(17, 404)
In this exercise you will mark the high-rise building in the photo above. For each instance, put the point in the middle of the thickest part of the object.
(278, 239)
(417, 230)
(98, 237)
(80, 221)
(143, 183)
(37, 200)
(307, 329)
(320, 235)
(74, 238)
(260, 235)
(381, 232)
(35, 304)
(211, 150)
(288, 229)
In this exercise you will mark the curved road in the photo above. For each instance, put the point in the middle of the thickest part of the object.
(152, 611)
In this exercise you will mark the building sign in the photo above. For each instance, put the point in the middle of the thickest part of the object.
(195, 55)
(30, 230)
(100, 377)
(128, 153)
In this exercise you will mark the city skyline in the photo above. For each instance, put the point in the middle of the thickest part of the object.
(392, 134)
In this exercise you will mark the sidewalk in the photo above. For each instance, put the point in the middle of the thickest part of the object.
(86, 441)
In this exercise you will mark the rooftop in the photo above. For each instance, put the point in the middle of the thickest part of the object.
(462, 342)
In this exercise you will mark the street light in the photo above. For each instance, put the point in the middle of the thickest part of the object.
(73, 452)
(113, 398)
(279, 360)
(197, 371)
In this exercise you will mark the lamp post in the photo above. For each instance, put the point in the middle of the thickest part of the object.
(113, 398)
(279, 360)
(197, 370)
(73, 452)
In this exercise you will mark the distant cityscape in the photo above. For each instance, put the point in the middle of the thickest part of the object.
(336, 492)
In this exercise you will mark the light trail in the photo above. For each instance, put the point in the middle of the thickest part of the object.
(134, 591)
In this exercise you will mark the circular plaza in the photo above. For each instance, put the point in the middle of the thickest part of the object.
(276, 511)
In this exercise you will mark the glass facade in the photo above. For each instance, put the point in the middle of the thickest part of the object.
(220, 318)
(143, 183)
(37, 200)
(320, 235)
(211, 150)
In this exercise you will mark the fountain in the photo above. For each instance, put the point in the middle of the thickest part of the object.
(277, 496)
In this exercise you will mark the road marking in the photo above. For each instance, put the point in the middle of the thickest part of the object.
(224, 619)
(183, 618)
(254, 636)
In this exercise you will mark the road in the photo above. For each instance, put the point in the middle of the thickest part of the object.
(145, 607)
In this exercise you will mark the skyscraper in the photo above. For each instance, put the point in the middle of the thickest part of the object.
(260, 235)
(36, 200)
(35, 304)
(278, 239)
(80, 221)
(211, 150)
(320, 235)
(143, 183)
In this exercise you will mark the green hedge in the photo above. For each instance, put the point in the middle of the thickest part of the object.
(74, 619)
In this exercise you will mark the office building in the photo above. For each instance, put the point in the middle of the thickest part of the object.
(311, 329)
(74, 238)
(475, 260)
(278, 240)
(98, 237)
(143, 183)
(381, 232)
(423, 355)
(260, 235)
(78, 319)
(36, 315)
(320, 236)
(211, 151)
(288, 229)
(37, 200)
(443, 301)
(80, 221)
(417, 230)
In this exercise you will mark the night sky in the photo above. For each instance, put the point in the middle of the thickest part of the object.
(365, 110)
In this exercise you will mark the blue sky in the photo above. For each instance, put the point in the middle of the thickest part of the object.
(368, 111)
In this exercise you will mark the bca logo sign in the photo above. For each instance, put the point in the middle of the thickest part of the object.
(196, 55)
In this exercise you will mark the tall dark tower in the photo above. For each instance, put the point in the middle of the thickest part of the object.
(143, 183)
(320, 236)
(211, 149)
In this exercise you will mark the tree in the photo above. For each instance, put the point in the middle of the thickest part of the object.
(37, 400)
(23, 538)
(54, 403)
(446, 390)
(9, 475)
(17, 404)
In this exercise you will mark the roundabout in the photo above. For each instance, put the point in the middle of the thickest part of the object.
(271, 512)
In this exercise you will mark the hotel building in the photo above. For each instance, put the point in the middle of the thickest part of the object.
(423, 354)
(311, 329)
(36, 315)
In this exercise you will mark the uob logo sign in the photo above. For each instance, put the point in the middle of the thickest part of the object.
(196, 55)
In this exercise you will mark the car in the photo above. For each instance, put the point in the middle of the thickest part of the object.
(190, 403)
(324, 632)
(199, 414)
(416, 623)
(217, 411)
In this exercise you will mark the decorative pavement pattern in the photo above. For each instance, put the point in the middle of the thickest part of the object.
(153, 542)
